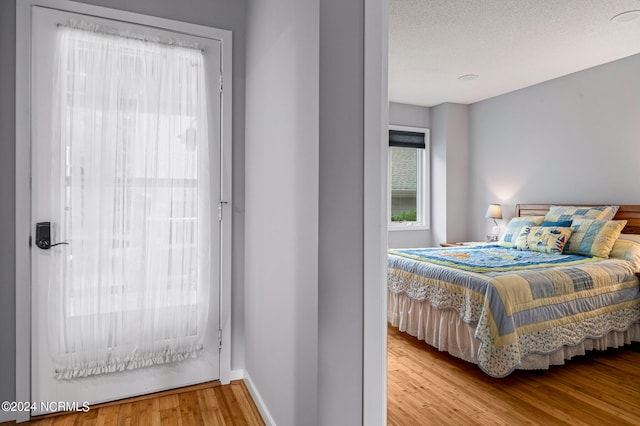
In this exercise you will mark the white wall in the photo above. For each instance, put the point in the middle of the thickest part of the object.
(414, 116)
(281, 220)
(575, 139)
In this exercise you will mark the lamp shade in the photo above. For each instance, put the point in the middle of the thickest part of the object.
(494, 211)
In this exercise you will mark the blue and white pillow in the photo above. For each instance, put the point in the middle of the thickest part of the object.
(515, 227)
(564, 213)
(594, 237)
(544, 239)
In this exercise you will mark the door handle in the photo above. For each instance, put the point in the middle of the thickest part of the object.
(43, 236)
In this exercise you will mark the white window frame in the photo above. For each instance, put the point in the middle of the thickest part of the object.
(423, 201)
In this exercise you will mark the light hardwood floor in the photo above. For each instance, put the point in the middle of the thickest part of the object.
(206, 404)
(425, 387)
(428, 387)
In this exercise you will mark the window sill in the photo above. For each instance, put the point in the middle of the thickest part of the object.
(408, 228)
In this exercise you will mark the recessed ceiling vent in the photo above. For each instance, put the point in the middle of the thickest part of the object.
(626, 16)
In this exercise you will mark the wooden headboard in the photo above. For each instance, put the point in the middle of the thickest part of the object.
(630, 213)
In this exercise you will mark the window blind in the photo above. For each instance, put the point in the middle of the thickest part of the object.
(406, 139)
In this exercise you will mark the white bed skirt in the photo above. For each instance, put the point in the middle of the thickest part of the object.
(446, 331)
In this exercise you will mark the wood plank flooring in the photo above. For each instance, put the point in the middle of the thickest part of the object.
(429, 387)
(425, 387)
(205, 404)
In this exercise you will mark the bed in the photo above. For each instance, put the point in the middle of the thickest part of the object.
(522, 303)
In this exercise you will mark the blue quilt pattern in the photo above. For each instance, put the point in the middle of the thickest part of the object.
(490, 258)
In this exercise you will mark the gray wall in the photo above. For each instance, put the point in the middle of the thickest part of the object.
(341, 280)
(449, 156)
(7, 206)
(281, 221)
(449, 173)
(224, 14)
(575, 139)
(414, 116)
(304, 221)
(409, 115)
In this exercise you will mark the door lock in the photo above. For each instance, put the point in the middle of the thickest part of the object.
(43, 236)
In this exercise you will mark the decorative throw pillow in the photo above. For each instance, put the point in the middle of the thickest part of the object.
(594, 237)
(549, 239)
(628, 250)
(560, 213)
(515, 228)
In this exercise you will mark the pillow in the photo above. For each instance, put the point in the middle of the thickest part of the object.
(594, 237)
(630, 237)
(562, 223)
(549, 239)
(627, 249)
(515, 228)
(560, 213)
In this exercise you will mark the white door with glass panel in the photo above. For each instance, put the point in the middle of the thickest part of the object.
(125, 189)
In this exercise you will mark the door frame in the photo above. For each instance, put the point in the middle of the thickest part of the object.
(23, 175)
(375, 123)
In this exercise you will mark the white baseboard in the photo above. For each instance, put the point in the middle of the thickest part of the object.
(257, 399)
(236, 375)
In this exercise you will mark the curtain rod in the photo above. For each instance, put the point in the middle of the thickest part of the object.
(99, 29)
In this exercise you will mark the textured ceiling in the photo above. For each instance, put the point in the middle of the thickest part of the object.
(509, 44)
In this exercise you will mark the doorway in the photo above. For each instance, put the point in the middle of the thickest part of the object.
(84, 216)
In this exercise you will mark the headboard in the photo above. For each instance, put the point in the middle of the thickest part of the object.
(630, 213)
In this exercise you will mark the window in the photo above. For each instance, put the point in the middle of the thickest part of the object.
(408, 178)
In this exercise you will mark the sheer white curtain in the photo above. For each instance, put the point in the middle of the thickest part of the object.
(131, 167)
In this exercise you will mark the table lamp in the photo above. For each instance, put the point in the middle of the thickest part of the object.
(494, 212)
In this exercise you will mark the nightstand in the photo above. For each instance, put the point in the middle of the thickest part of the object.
(462, 244)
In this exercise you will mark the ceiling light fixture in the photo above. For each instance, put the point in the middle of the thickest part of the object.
(468, 77)
(627, 16)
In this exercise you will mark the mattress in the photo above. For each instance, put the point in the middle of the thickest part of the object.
(518, 303)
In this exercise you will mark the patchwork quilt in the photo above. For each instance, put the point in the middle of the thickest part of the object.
(490, 258)
(521, 302)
